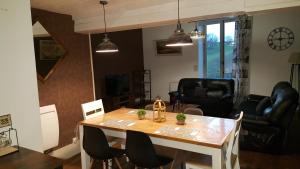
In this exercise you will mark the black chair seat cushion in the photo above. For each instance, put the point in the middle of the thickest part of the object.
(112, 153)
(163, 160)
(115, 152)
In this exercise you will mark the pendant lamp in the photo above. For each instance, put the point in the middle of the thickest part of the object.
(195, 34)
(179, 38)
(106, 46)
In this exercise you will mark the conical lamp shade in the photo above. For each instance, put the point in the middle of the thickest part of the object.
(179, 38)
(106, 46)
(195, 34)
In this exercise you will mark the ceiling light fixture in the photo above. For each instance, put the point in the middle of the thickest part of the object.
(179, 38)
(195, 34)
(106, 46)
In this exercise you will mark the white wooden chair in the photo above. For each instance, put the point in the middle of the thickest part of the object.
(92, 109)
(198, 161)
(50, 127)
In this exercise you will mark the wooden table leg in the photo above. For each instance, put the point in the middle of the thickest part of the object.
(218, 159)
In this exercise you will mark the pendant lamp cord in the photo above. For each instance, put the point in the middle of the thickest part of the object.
(178, 20)
(178, 11)
(104, 18)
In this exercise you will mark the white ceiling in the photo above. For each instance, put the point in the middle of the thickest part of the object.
(80, 9)
(130, 14)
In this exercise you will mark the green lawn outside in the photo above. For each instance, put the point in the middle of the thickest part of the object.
(213, 60)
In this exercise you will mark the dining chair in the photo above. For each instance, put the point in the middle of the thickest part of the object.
(92, 109)
(49, 127)
(141, 152)
(96, 146)
(231, 151)
(149, 107)
(193, 111)
(96, 109)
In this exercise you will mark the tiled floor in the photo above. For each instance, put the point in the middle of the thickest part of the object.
(248, 160)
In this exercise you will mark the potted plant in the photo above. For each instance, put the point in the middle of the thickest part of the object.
(141, 114)
(180, 118)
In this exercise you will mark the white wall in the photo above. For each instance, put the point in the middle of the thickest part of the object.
(268, 66)
(18, 85)
(166, 69)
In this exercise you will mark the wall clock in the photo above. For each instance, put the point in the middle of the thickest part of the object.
(281, 38)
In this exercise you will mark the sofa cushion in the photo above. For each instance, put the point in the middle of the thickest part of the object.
(200, 92)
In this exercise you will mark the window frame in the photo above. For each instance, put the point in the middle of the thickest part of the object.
(202, 25)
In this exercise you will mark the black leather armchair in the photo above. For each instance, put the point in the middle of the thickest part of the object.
(267, 121)
(214, 96)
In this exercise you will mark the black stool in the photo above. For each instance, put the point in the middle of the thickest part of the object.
(96, 146)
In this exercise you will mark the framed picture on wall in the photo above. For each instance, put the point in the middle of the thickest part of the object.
(50, 50)
(162, 50)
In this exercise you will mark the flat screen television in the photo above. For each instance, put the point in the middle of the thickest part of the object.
(117, 85)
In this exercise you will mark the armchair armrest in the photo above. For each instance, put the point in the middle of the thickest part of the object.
(174, 96)
(173, 93)
(255, 120)
(259, 134)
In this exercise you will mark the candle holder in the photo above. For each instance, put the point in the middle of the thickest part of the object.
(159, 111)
(8, 136)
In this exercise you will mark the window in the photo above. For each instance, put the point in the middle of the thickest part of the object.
(216, 50)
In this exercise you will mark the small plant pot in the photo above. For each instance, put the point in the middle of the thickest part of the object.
(141, 117)
(181, 122)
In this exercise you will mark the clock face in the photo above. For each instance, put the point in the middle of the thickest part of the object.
(281, 38)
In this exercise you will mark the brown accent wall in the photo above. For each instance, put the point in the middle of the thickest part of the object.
(71, 83)
(128, 59)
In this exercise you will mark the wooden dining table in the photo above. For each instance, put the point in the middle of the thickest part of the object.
(200, 134)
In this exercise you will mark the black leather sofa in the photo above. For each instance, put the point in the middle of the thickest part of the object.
(271, 124)
(214, 96)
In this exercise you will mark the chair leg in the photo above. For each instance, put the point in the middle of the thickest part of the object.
(175, 157)
(237, 164)
(104, 164)
(92, 162)
(109, 163)
(172, 164)
(118, 163)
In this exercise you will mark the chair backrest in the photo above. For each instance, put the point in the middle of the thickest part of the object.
(149, 107)
(193, 111)
(140, 150)
(278, 86)
(233, 142)
(95, 143)
(92, 109)
(50, 126)
(284, 102)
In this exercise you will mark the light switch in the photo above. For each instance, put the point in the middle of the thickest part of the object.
(195, 68)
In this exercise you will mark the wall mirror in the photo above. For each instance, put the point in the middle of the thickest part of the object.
(48, 52)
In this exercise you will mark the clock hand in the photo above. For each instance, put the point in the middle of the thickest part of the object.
(280, 39)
